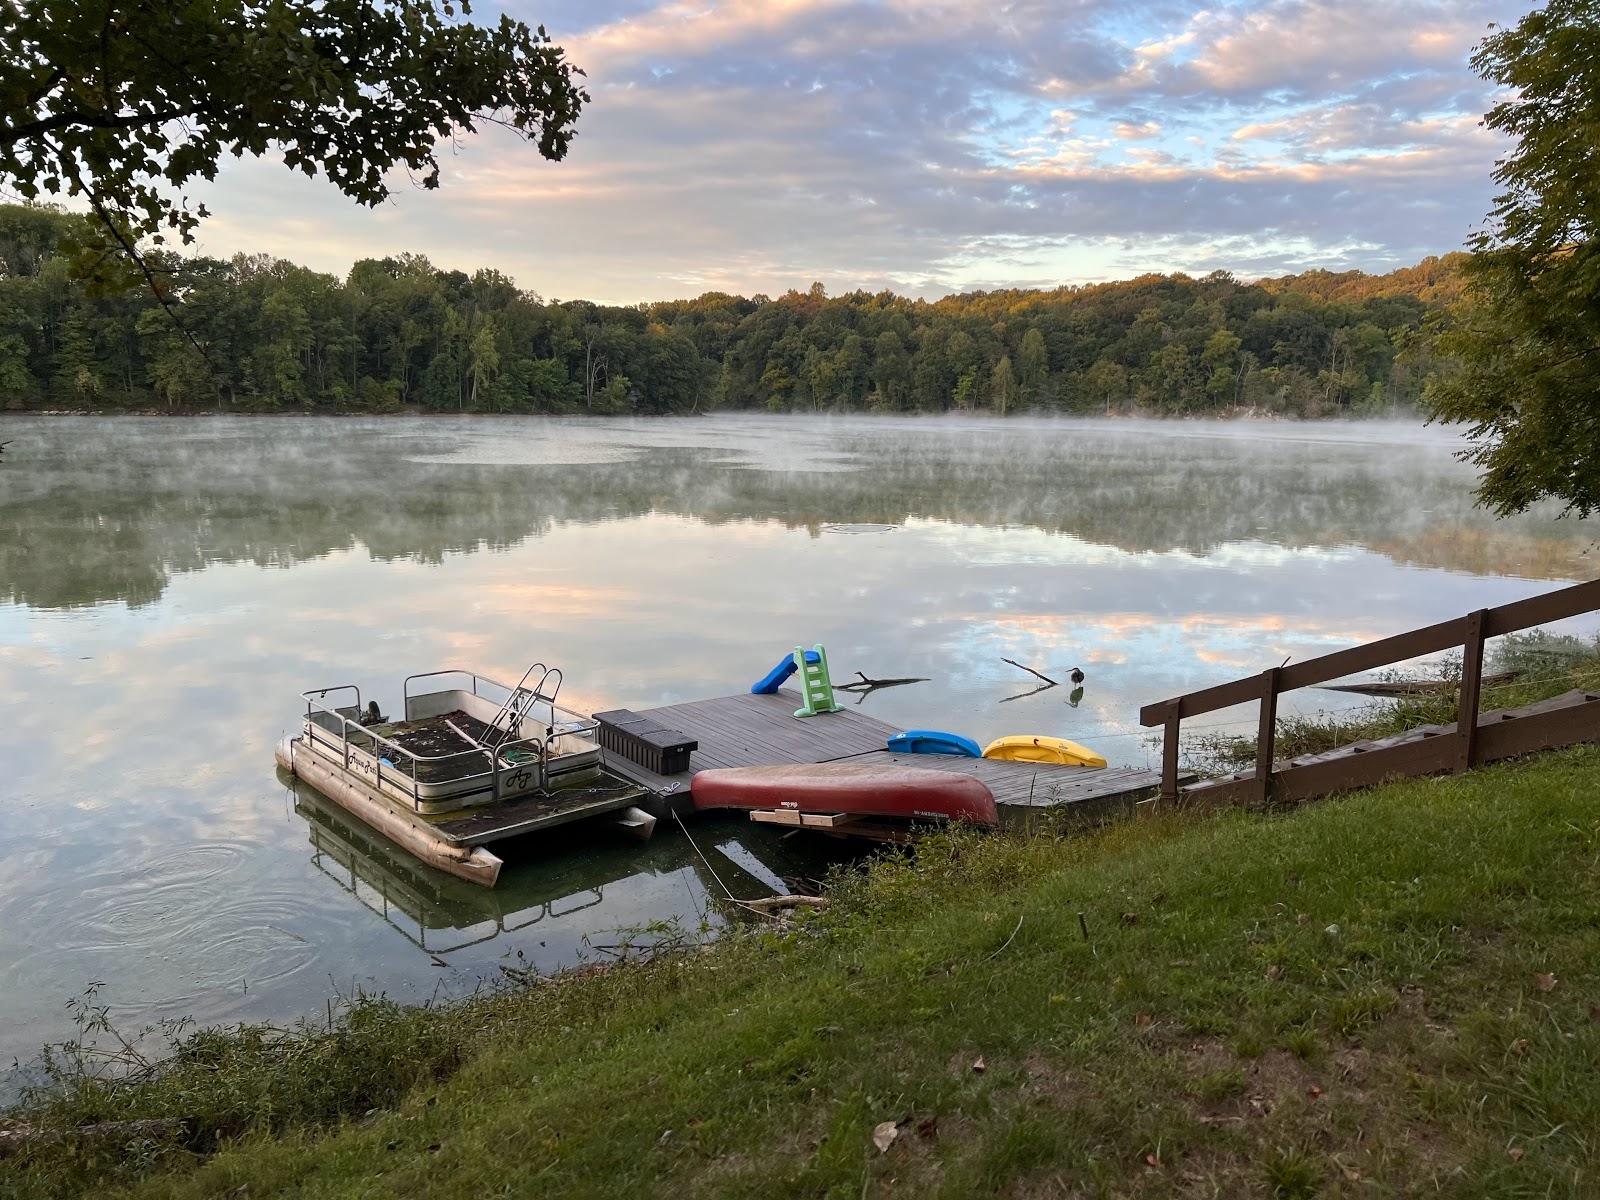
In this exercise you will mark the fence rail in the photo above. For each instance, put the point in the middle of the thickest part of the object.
(1472, 740)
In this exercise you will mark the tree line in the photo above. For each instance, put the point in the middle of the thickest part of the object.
(255, 333)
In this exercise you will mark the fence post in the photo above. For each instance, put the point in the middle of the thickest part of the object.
(1169, 754)
(1266, 734)
(1471, 683)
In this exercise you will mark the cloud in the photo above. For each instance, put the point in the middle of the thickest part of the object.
(1305, 46)
(1130, 131)
(760, 144)
(687, 27)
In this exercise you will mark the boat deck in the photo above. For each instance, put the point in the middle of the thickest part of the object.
(748, 730)
(540, 810)
(454, 733)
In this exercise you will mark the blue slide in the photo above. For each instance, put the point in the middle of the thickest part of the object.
(775, 677)
(933, 741)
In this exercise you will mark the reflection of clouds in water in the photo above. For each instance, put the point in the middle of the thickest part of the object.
(1125, 653)
(1243, 556)
(551, 599)
(1241, 658)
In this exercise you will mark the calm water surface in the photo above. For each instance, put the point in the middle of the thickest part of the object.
(167, 586)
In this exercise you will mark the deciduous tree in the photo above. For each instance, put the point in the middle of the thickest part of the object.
(1002, 385)
(124, 103)
(1033, 360)
(1528, 345)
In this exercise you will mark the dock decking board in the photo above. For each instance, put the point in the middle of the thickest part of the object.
(753, 731)
(1036, 785)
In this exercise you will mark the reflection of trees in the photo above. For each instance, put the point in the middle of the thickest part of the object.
(111, 510)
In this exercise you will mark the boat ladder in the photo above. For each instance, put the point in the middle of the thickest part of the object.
(508, 720)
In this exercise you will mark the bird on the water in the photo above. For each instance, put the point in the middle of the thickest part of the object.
(3, 446)
(1076, 676)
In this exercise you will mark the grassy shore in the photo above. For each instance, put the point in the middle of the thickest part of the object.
(1390, 994)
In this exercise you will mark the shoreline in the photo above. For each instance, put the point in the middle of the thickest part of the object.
(1241, 416)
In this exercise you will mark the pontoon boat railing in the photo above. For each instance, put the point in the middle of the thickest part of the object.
(322, 693)
(540, 693)
(398, 777)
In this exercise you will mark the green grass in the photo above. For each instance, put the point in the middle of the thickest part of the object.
(1389, 994)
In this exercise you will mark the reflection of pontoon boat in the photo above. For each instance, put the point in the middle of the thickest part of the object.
(441, 915)
(470, 763)
(416, 900)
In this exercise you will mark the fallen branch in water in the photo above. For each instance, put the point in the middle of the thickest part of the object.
(1043, 687)
(1031, 671)
(864, 684)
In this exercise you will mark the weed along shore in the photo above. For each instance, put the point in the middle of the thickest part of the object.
(1391, 993)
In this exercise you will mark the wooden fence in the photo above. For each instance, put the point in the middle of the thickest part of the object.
(1475, 738)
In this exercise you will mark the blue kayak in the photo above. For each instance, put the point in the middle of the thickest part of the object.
(934, 741)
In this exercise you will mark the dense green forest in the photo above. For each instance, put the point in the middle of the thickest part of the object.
(261, 334)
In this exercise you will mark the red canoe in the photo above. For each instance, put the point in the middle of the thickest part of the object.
(909, 793)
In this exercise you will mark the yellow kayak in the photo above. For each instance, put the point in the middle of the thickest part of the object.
(1024, 748)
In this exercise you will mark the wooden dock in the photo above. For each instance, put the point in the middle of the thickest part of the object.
(750, 730)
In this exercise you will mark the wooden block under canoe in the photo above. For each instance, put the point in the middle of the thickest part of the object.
(788, 816)
(826, 820)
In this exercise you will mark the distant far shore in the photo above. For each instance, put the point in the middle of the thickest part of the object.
(1241, 414)
(400, 335)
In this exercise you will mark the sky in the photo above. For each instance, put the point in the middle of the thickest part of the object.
(931, 146)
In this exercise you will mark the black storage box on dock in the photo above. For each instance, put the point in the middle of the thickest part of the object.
(641, 740)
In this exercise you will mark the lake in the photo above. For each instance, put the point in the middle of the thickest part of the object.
(167, 587)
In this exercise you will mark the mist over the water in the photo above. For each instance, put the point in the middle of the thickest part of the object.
(168, 586)
(124, 505)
